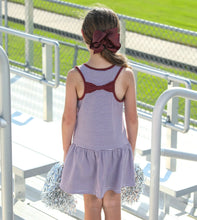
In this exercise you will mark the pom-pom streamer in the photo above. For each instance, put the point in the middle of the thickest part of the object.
(132, 194)
(54, 197)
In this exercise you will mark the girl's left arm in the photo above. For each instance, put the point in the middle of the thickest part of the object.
(70, 111)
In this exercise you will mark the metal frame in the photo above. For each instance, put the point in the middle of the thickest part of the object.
(76, 48)
(156, 144)
(169, 77)
(43, 41)
(29, 28)
(47, 68)
(5, 137)
(178, 154)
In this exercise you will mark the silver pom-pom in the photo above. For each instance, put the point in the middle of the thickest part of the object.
(131, 194)
(53, 196)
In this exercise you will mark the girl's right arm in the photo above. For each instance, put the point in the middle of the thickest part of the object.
(70, 111)
(131, 116)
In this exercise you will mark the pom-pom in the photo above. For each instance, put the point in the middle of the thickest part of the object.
(53, 196)
(131, 194)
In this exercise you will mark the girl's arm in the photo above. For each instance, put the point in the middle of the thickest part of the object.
(131, 116)
(70, 112)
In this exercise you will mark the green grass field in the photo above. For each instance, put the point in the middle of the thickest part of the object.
(175, 13)
(178, 13)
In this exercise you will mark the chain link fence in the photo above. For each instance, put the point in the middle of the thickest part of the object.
(168, 48)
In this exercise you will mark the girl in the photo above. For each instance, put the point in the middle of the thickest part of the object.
(99, 161)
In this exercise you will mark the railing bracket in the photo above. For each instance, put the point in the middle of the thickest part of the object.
(3, 123)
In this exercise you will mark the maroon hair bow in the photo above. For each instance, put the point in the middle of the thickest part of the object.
(108, 39)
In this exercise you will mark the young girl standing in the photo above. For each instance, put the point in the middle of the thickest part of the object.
(99, 161)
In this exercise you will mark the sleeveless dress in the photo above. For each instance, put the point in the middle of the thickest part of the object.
(100, 156)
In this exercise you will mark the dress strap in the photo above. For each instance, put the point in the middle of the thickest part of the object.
(119, 71)
(80, 73)
(90, 87)
(114, 84)
(77, 68)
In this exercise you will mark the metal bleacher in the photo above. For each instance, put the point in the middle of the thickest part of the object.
(35, 140)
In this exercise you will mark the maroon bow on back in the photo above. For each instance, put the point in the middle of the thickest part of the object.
(108, 39)
(90, 87)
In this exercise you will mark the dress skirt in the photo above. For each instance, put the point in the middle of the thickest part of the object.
(88, 171)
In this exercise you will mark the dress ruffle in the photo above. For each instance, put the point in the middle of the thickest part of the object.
(88, 171)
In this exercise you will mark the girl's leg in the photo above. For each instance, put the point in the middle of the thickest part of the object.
(112, 205)
(93, 207)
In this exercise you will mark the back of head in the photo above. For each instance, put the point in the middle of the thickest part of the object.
(103, 19)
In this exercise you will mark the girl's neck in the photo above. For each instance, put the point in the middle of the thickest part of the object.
(97, 61)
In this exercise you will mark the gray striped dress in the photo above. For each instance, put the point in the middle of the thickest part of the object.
(100, 156)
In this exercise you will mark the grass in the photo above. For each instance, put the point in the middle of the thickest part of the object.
(149, 87)
(178, 13)
(171, 12)
(16, 49)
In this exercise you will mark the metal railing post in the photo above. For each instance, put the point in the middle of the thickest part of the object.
(29, 26)
(47, 66)
(75, 55)
(6, 24)
(156, 144)
(135, 72)
(172, 116)
(122, 35)
(5, 138)
(167, 76)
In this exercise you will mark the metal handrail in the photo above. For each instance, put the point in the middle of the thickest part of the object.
(169, 77)
(178, 154)
(5, 137)
(156, 144)
(43, 41)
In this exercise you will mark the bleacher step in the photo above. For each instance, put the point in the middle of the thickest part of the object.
(52, 212)
(26, 211)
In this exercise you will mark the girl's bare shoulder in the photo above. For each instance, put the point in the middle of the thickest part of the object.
(128, 76)
(73, 76)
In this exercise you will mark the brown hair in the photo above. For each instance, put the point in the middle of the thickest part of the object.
(103, 19)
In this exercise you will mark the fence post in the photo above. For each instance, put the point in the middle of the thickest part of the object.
(172, 115)
(122, 35)
(135, 72)
(1, 38)
(47, 66)
(6, 24)
(5, 138)
(29, 26)
(75, 55)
